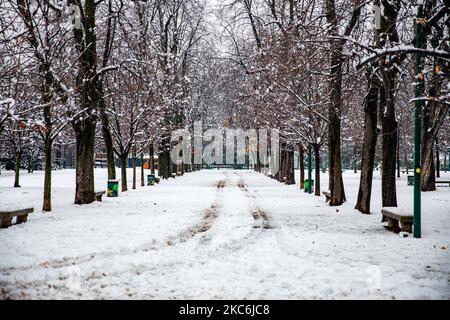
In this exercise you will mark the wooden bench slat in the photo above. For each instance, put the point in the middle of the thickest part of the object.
(443, 182)
(17, 212)
(396, 215)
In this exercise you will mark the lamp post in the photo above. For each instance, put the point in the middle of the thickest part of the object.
(418, 92)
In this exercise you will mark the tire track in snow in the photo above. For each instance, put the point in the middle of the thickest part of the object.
(59, 281)
(209, 217)
(247, 234)
(226, 205)
(263, 219)
(210, 214)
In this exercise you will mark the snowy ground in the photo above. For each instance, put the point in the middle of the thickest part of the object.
(219, 234)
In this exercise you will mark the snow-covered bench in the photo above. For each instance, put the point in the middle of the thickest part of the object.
(99, 195)
(394, 216)
(327, 195)
(443, 181)
(7, 216)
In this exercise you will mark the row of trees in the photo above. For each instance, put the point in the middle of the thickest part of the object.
(330, 74)
(79, 71)
(327, 72)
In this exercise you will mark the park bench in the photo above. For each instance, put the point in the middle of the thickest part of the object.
(7, 216)
(443, 181)
(99, 195)
(327, 195)
(394, 217)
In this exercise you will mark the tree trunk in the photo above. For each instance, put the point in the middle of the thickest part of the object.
(152, 159)
(389, 125)
(258, 160)
(85, 135)
(142, 170)
(398, 154)
(301, 156)
(406, 164)
(316, 148)
(389, 194)
(445, 162)
(389, 147)
(17, 169)
(438, 161)
(289, 167)
(193, 166)
(123, 170)
(134, 173)
(30, 164)
(369, 147)
(86, 45)
(282, 170)
(165, 168)
(107, 139)
(47, 204)
(428, 177)
(336, 183)
(433, 117)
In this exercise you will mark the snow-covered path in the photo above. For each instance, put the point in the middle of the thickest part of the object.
(219, 234)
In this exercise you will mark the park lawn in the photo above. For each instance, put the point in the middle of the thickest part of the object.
(219, 234)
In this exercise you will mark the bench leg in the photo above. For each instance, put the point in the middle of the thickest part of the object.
(393, 225)
(5, 222)
(407, 227)
(384, 218)
(22, 219)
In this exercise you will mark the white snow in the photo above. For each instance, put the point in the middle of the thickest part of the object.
(219, 234)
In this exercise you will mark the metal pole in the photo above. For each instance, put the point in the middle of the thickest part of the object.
(418, 92)
(309, 169)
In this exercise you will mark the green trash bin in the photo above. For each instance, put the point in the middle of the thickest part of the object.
(307, 184)
(150, 179)
(410, 180)
(113, 188)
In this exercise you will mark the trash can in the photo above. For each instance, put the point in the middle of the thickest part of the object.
(150, 179)
(410, 180)
(113, 188)
(307, 184)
